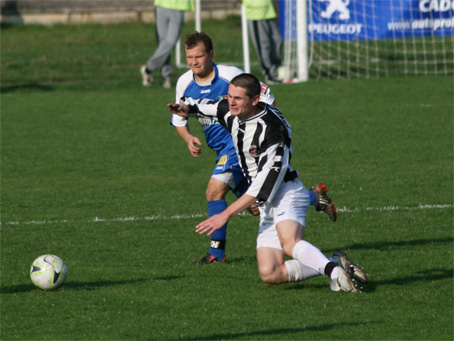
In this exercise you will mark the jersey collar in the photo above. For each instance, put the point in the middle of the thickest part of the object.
(213, 81)
(260, 114)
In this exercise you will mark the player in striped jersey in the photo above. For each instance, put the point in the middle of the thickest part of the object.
(262, 138)
(206, 79)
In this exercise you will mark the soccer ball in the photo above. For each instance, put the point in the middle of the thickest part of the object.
(48, 272)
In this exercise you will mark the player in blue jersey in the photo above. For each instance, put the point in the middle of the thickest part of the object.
(206, 79)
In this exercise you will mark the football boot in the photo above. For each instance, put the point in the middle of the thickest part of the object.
(324, 203)
(209, 259)
(344, 282)
(341, 259)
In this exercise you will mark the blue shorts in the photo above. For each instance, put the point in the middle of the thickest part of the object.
(229, 164)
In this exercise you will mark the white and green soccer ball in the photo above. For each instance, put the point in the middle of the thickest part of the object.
(48, 272)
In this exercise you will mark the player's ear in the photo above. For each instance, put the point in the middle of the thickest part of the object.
(256, 100)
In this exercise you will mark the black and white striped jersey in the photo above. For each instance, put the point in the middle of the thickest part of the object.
(263, 144)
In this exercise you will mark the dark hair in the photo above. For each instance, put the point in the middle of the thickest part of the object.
(194, 38)
(249, 82)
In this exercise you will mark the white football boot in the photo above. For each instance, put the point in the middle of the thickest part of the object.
(355, 272)
(343, 282)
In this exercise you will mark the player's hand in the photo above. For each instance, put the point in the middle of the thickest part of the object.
(254, 210)
(211, 224)
(178, 109)
(192, 146)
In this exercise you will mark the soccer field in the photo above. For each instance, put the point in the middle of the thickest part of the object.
(92, 171)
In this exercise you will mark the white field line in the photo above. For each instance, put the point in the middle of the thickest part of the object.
(200, 215)
(395, 208)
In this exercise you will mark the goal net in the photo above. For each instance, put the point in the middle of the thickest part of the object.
(366, 38)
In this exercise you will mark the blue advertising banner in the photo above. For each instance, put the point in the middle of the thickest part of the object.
(372, 19)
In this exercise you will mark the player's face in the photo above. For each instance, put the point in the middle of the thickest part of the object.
(240, 104)
(199, 61)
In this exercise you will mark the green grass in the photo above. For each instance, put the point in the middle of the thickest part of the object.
(92, 171)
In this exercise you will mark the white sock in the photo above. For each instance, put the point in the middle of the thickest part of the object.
(299, 272)
(335, 273)
(310, 256)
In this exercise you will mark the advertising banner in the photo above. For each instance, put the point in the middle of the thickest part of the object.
(372, 19)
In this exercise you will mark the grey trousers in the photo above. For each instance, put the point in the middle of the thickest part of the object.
(267, 41)
(168, 27)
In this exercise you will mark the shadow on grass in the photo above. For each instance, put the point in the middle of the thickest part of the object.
(429, 275)
(231, 260)
(283, 331)
(31, 86)
(420, 276)
(85, 285)
(242, 260)
(386, 245)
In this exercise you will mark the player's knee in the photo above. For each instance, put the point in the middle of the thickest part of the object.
(212, 194)
(270, 274)
(216, 191)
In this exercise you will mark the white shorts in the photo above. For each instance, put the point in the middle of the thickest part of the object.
(291, 202)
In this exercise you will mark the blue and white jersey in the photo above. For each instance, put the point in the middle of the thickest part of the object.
(218, 138)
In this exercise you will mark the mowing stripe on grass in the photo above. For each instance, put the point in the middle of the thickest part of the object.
(199, 215)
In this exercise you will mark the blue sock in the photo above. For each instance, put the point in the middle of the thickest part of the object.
(215, 207)
(312, 197)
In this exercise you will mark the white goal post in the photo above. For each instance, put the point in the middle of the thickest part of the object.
(366, 38)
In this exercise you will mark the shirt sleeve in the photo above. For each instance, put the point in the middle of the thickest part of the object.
(178, 121)
(208, 107)
(175, 120)
(266, 94)
(272, 167)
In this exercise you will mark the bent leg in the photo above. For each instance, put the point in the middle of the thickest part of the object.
(290, 235)
(271, 266)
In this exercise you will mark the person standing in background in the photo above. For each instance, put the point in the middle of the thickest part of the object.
(169, 18)
(266, 38)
